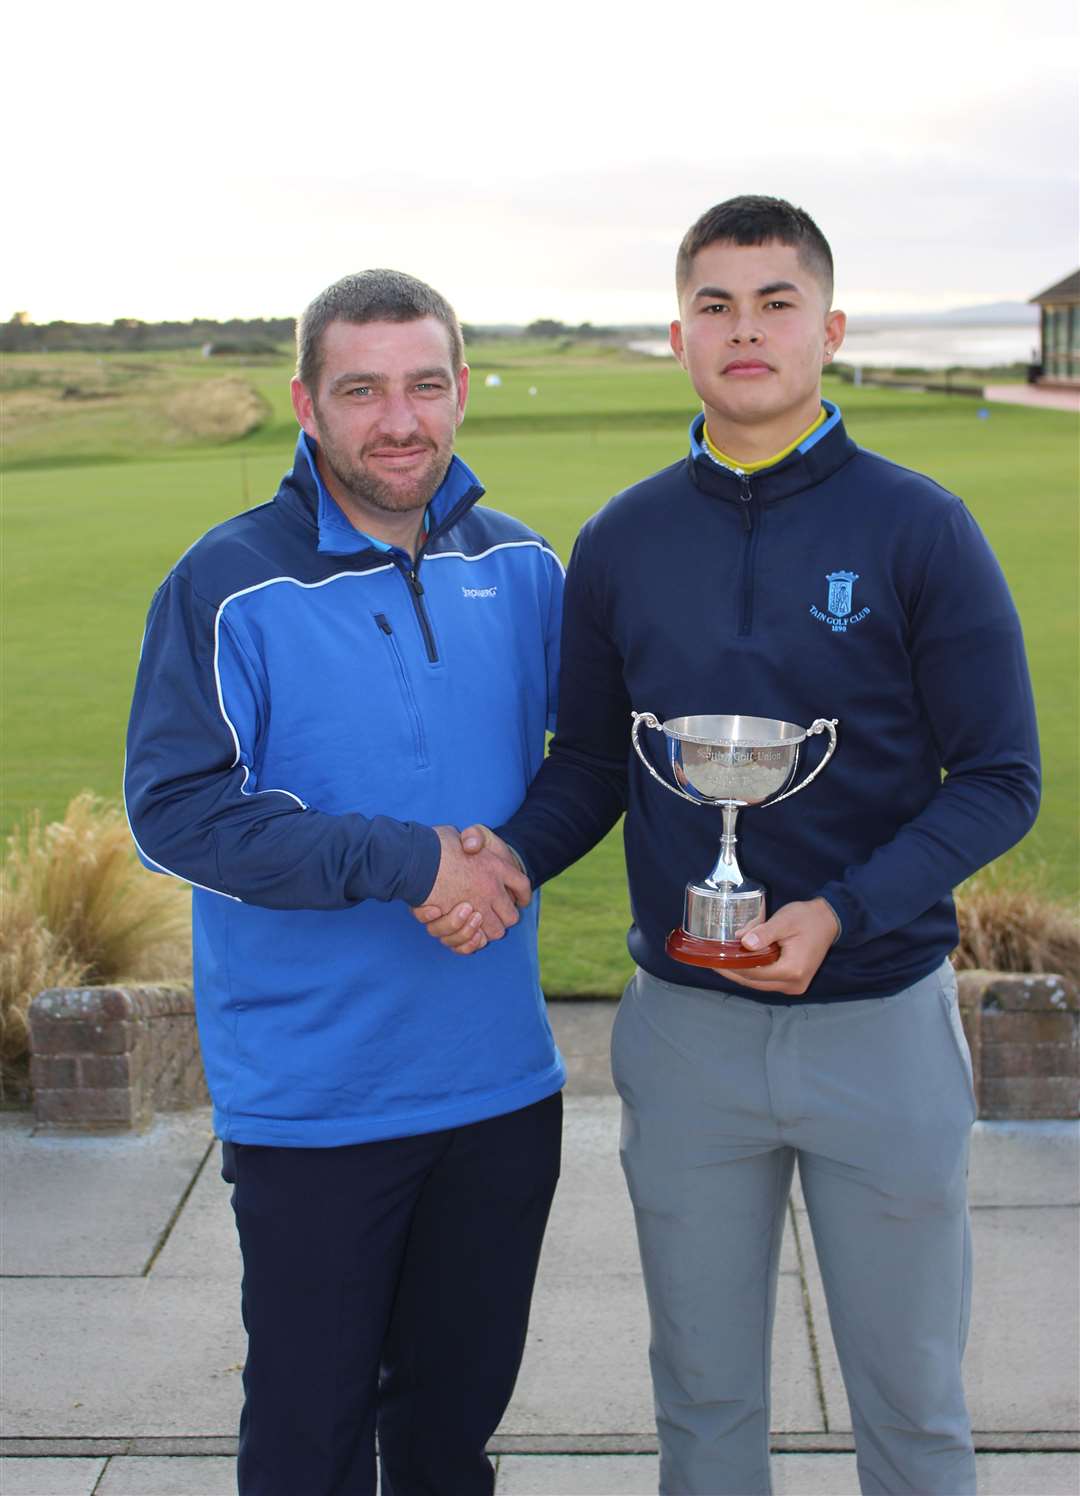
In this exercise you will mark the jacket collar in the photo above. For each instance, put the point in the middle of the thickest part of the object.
(813, 460)
(304, 492)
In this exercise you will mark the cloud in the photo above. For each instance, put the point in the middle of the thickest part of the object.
(236, 169)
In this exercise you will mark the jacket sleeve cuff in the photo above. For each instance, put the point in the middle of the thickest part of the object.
(847, 911)
(516, 855)
(836, 916)
(423, 867)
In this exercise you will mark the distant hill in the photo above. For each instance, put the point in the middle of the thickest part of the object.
(1012, 312)
(991, 314)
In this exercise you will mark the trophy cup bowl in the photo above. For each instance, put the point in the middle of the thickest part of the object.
(731, 762)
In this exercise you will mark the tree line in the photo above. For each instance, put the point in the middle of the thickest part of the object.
(238, 335)
(130, 335)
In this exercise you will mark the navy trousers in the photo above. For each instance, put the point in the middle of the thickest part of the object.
(386, 1290)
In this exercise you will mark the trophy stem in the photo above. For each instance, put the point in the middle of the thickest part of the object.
(727, 870)
(719, 910)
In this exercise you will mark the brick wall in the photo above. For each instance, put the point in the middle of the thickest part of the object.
(110, 1057)
(1024, 1034)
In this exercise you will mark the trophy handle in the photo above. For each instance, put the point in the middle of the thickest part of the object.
(650, 721)
(823, 724)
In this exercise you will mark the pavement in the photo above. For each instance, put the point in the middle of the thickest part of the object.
(1056, 397)
(122, 1344)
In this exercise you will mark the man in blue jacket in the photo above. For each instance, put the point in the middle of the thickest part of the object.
(780, 571)
(331, 683)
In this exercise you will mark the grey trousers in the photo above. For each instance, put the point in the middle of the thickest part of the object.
(874, 1099)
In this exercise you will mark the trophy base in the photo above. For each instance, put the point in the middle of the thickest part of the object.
(691, 950)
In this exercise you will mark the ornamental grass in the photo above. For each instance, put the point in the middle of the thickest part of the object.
(1012, 926)
(77, 908)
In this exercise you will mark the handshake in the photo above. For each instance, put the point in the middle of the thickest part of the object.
(477, 891)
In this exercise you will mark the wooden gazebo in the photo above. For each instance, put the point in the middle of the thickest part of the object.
(1060, 360)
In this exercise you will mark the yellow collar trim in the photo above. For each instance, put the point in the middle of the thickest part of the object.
(755, 467)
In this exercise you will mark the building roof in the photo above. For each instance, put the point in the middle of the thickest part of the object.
(1065, 290)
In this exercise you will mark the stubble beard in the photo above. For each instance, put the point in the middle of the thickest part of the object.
(365, 487)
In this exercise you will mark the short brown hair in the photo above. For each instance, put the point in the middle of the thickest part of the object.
(758, 220)
(371, 296)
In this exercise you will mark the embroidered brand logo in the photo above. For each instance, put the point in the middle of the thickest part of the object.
(838, 614)
(479, 591)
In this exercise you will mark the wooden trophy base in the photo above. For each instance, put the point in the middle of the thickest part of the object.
(716, 954)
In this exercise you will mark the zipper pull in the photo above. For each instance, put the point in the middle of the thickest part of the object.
(745, 497)
(415, 582)
(383, 622)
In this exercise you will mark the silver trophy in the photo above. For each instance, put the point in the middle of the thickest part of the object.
(731, 762)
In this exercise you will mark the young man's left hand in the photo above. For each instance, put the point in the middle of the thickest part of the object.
(804, 933)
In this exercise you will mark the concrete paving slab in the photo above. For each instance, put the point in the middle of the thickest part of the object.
(577, 1475)
(836, 1417)
(93, 1206)
(96, 1358)
(995, 1474)
(814, 1475)
(49, 1477)
(586, 1367)
(796, 1406)
(203, 1246)
(582, 1029)
(1028, 1474)
(592, 1220)
(792, 1475)
(1015, 1379)
(1015, 1163)
(789, 1260)
(1025, 1163)
(180, 1475)
(1022, 1366)
(586, 1357)
(519, 1475)
(591, 1230)
(586, 1360)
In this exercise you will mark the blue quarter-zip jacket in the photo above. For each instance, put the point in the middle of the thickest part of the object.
(308, 706)
(834, 584)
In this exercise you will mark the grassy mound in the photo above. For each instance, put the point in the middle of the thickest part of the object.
(60, 409)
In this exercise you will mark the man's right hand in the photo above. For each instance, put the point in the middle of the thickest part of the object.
(477, 891)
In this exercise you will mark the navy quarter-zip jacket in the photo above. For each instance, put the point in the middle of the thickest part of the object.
(835, 584)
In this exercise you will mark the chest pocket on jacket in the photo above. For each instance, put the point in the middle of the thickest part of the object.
(409, 704)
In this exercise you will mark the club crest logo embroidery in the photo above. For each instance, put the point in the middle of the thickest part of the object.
(840, 585)
(839, 602)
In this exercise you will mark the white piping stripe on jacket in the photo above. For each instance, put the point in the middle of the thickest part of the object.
(152, 862)
(505, 545)
(296, 582)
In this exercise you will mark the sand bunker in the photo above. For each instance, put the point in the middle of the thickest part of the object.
(218, 410)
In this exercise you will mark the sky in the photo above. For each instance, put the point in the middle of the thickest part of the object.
(529, 160)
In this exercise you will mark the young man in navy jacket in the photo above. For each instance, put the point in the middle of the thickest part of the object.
(329, 685)
(780, 571)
